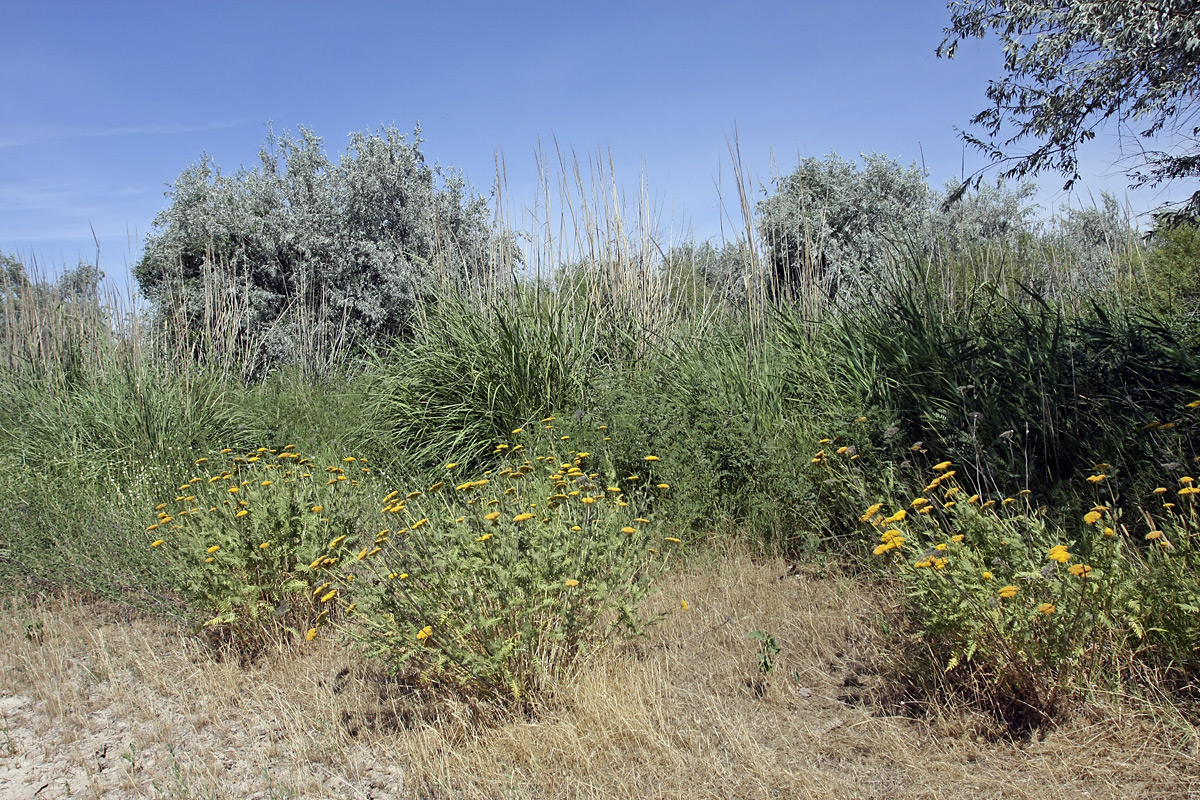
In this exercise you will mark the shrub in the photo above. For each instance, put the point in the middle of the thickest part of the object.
(1020, 612)
(301, 258)
(1168, 588)
(1005, 602)
(1173, 267)
(245, 542)
(498, 586)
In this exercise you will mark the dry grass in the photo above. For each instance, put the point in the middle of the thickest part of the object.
(119, 706)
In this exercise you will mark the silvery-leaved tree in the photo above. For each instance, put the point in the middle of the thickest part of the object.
(1072, 66)
(832, 226)
(838, 231)
(301, 259)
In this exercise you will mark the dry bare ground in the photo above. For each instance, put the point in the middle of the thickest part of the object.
(104, 703)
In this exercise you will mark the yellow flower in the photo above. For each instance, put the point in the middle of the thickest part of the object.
(958, 537)
(918, 502)
(988, 504)
(233, 490)
(1008, 591)
(419, 523)
(588, 500)
(153, 527)
(312, 634)
(897, 517)
(973, 499)
(1153, 535)
(683, 604)
(1160, 490)
(213, 549)
(242, 513)
(1059, 553)
(1109, 532)
(264, 545)
(870, 512)
(492, 516)
(940, 546)
(628, 529)
(663, 486)
(1096, 478)
(317, 509)
(362, 554)
(1092, 517)
(943, 466)
(209, 560)
(987, 576)
(425, 633)
(523, 517)
(651, 458)
(672, 539)
(571, 582)
(484, 538)
(156, 542)
(332, 593)
(1080, 570)
(880, 549)
(1047, 608)
(265, 483)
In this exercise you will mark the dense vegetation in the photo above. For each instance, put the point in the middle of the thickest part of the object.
(473, 461)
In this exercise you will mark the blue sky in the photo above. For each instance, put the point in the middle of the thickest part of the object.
(103, 104)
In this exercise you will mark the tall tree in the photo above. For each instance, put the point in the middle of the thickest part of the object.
(1072, 66)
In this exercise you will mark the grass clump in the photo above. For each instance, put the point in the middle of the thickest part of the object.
(498, 587)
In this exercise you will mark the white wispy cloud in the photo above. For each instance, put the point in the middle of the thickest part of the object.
(29, 136)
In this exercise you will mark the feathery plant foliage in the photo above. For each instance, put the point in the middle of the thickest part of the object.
(499, 586)
(244, 536)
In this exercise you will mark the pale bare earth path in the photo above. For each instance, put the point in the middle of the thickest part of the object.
(103, 703)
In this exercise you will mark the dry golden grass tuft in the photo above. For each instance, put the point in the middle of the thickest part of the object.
(97, 703)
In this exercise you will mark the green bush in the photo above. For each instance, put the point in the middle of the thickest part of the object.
(244, 540)
(498, 586)
(1023, 613)
(1173, 268)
